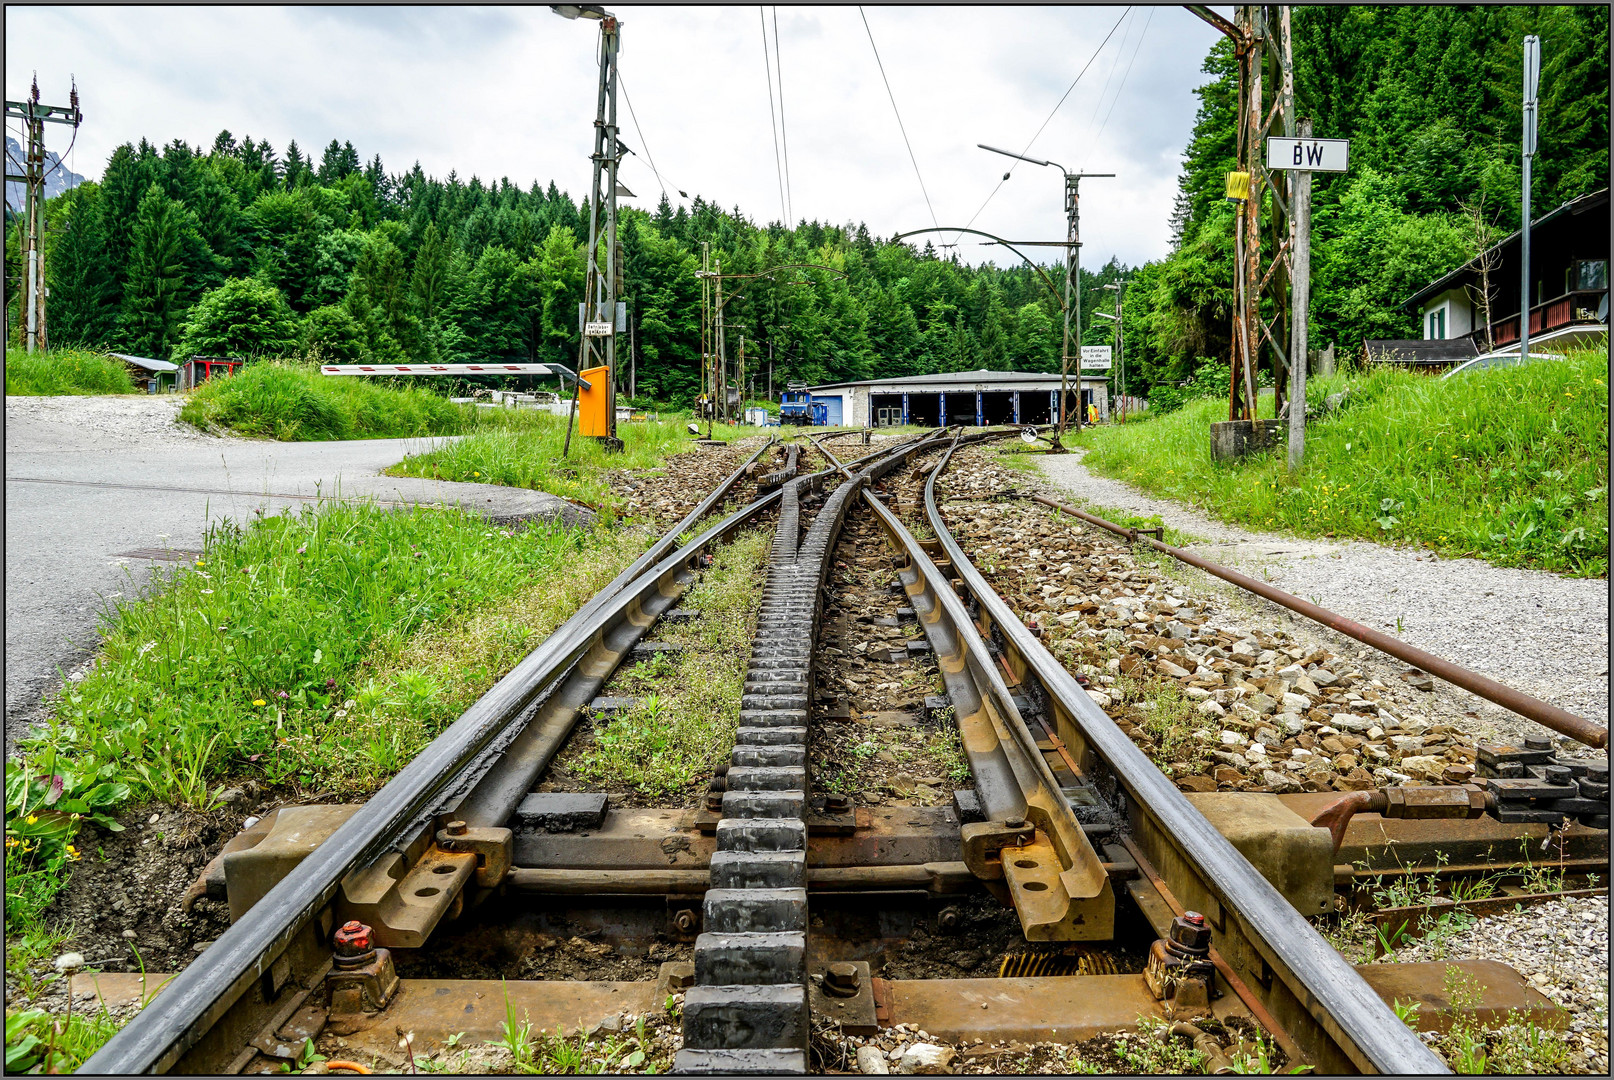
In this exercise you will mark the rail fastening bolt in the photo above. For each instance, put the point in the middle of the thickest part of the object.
(949, 918)
(456, 828)
(1559, 775)
(841, 980)
(1537, 742)
(685, 921)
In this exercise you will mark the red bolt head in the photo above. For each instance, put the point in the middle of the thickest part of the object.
(1194, 917)
(353, 937)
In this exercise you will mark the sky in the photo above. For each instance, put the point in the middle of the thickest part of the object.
(510, 91)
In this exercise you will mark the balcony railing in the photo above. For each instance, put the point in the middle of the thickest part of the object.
(1579, 306)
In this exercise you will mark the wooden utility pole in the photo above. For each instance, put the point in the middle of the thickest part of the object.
(34, 116)
(720, 367)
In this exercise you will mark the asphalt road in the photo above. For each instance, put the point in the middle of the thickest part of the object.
(90, 478)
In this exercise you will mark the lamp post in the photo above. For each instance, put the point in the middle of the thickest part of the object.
(1073, 264)
(600, 288)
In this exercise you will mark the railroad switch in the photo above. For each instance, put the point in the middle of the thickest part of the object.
(363, 979)
(1180, 971)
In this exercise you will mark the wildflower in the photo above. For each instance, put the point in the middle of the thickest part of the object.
(199, 562)
(32, 820)
(476, 474)
(12, 841)
(282, 693)
(259, 702)
(207, 592)
(72, 853)
(303, 550)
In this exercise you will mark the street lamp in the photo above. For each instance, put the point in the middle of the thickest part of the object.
(598, 345)
(1072, 269)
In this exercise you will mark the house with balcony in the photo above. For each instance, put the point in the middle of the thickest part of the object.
(1569, 253)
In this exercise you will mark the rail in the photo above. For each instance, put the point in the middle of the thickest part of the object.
(248, 963)
(1318, 983)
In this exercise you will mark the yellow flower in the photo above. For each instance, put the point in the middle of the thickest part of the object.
(199, 562)
(259, 702)
(72, 853)
(32, 819)
(476, 474)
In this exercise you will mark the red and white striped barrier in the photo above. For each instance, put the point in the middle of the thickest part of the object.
(440, 369)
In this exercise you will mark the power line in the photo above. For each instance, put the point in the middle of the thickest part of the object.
(778, 170)
(1118, 90)
(1051, 113)
(903, 128)
(1120, 52)
(637, 130)
(784, 133)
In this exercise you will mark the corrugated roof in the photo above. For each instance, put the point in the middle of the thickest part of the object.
(145, 362)
(979, 376)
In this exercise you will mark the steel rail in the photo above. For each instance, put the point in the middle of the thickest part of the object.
(199, 996)
(1056, 880)
(1362, 1026)
(1531, 708)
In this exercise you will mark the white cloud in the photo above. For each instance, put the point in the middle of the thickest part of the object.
(510, 92)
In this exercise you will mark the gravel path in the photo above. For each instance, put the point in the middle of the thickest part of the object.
(1540, 633)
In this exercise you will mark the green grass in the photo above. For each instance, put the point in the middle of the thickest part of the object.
(1508, 465)
(249, 663)
(275, 399)
(525, 451)
(668, 745)
(57, 372)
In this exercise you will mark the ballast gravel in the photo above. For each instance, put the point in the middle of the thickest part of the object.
(1561, 947)
(1537, 632)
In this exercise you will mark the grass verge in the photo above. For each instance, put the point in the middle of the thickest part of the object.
(1509, 465)
(524, 450)
(317, 649)
(57, 372)
(274, 399)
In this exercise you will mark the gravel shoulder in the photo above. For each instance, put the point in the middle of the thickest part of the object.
(1537, 632)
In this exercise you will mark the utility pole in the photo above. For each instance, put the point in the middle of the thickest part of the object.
(719, 361)
(706, 319)
(739, 379)
(34, 116)
(1073, 282)
(1532, 79)
(600, 287)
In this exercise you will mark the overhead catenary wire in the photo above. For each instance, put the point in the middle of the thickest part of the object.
(778, 169)
(900, 125)
(1045, 123)
(1124, 75)
(784, 132)
(637, 130)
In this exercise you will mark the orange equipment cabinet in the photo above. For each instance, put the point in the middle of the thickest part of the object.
(594, 404)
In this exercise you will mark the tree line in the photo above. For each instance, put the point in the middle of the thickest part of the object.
(240, 249)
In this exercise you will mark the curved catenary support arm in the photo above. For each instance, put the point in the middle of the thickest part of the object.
(1046, 280)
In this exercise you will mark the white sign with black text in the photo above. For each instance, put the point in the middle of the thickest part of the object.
(1310, 155)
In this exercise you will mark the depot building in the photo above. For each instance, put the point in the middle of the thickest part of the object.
(971, 398)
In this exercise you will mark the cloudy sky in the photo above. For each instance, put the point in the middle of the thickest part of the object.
(510, 92)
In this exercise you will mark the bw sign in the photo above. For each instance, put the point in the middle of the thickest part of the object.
(1311, 155)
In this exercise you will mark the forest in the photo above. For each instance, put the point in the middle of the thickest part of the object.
(239, 248)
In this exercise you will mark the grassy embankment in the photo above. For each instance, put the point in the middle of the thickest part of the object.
(1508, 465)
(58, 372)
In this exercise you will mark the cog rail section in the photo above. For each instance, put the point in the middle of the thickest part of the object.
(1316, 1001)
(398, 857)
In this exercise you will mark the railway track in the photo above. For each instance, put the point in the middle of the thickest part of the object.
(1132, 898)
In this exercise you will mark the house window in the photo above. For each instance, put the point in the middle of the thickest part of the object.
(1437, 325)
(1591, 274)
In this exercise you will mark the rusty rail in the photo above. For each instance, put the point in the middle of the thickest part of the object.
(1531, 708)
